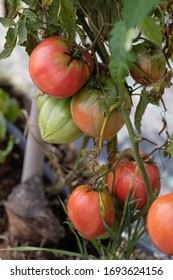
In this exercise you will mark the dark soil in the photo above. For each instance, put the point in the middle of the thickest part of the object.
(10, 177)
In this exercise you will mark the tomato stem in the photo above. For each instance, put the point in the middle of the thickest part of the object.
(136, 153)
(111, 109)
(91, 33)
(112, 169)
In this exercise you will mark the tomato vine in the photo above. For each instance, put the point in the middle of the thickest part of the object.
(82, 53)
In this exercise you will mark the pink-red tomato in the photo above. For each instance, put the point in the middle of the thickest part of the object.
(84, 208)
(150, 65)
(127, 178)
(56, 70)
(160, 223)
(88, 109)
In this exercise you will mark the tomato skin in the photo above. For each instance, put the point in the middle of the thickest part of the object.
(55, 121)
(83, 209)
(88, 112)
(160, 223)
(151, 61)
(53, 71)
(128, 178)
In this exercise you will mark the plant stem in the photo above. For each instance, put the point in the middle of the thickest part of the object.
(100, 48)
(136, 153)
(76, 171)
(111, 109)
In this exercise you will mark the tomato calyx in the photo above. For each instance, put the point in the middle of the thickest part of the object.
(98, 186)
(128, 156)
(76, 53)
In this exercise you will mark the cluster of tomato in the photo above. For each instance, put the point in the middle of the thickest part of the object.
(69, 107)
(88, 208)
(72, 105)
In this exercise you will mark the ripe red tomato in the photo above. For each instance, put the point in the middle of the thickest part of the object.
(150, 66)
(88, 109)
(84, 206)
(56, 70)
(129, 179)
(160, 223)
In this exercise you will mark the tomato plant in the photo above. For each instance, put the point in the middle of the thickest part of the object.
(55, 121)
(57, 70)
(150, 65)
(160, 223)
(88, 91)
(89, 109)
(85, 208)
(127, 179)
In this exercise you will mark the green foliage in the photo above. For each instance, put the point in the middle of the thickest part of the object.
(11, 38)
(29, 2)
(11, 7)
(151, 29)
(169, 149)
(29, 27)
(22, 30)
(120, 43)
(9, 106)
(46, 2)
(2, 126)
(67, 15)
(109, 29)
(9, 109)
(123, 33)
(54, 251)
(4, 153)
(134, 11)
(118, 70)
(7, 22)
(145, 99)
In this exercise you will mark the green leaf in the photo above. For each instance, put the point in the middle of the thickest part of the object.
(30, 15)
(67, 14)
(55, 251)
(121, 39)
(3, 128)
(121, 44)
(33, 4)
(134, 11)
(13, 109)
(110, 232)
(29, 2)
(9, 106)
(7, 151)
(12, 6)
(3, 99)
(46, 2)
(22, 30)
(7, 21)
(33, 26)
(118, 70)
(53, 21)
(145, 99)
(170, 147)
(11, 38)
(151, 30)
(32, 42)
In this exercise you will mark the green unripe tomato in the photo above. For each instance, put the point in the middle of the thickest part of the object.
(55, 122)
